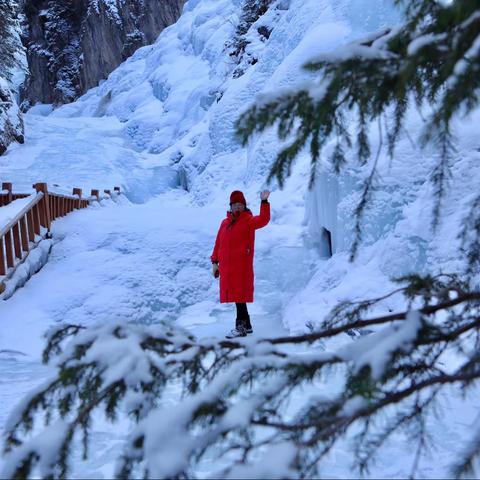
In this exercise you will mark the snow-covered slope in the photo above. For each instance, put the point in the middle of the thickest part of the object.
(165, 118)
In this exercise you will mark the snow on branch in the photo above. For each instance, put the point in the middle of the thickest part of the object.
(230, 402)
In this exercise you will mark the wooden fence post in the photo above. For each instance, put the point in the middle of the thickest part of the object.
(78, 191)
(45, 217)
(36, 219)
(31, 225)
(24, 233)
(8, 249)
(3, 268)
(95, 193)
(54, 209)
(8, 198)
(17, 246)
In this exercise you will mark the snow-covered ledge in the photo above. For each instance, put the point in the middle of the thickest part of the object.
(32, 263)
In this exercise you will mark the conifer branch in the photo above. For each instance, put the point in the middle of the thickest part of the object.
(236, 396)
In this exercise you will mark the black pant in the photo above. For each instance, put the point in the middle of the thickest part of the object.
(243, 318)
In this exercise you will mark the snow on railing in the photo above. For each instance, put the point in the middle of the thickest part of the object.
(23, 228)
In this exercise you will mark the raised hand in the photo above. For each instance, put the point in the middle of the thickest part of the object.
(264, 195)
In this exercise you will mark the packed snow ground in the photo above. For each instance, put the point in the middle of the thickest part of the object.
(161, 127)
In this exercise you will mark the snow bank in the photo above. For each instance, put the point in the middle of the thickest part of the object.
(32, 264)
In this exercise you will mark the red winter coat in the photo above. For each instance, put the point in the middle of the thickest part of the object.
(234, 249)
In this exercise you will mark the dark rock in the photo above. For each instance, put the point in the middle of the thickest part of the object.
(72, 45)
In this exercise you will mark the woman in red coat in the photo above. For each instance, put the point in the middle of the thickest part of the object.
(232, 256)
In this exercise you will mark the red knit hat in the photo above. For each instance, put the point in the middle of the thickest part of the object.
(237, 197)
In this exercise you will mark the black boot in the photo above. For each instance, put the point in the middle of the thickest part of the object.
(243, 318)
(245, 324)
(237, 332)
(248, 325)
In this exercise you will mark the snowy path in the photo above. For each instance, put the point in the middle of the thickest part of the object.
(140, 262)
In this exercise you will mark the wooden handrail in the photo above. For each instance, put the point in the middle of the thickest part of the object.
(20, 214)
(21, 230)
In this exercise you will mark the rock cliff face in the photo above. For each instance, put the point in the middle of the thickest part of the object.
(72, 45)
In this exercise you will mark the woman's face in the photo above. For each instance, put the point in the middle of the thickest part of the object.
(238, 207)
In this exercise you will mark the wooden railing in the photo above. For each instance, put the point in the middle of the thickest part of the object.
(7, 196)
(34, 221)
(22, 229)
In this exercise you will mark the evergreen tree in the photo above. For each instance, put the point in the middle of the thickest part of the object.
(11, 123)
(8, 38)
(63, 20)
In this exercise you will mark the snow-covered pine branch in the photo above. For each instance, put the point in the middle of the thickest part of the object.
(238, 402)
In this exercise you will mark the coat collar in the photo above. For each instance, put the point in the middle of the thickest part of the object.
(245, 214)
